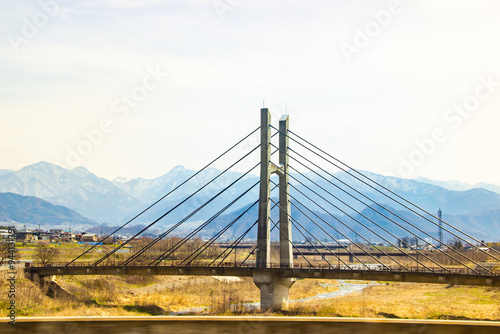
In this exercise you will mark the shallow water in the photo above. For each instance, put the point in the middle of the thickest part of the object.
(344, 289)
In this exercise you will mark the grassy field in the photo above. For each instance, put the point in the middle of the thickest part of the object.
(410, 301)
(143, 295)
(158, 295)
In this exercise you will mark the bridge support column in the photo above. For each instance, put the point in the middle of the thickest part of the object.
(273, 290)
(263, 230)
(286, 251)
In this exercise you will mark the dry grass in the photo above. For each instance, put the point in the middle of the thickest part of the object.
(142, 295)
(121, 295)
(310, 287)
(413, 301)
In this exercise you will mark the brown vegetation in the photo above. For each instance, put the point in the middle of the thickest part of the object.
(155, 295)
(410, 301)
(142, 295)
(45, 253)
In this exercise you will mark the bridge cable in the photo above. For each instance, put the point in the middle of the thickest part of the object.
(242, 236)
(290, 241)
(164, 234)
(385, 188)
(400, 240)
(187, 217)
(209, 242)
(160, 258)
(354, 219)
(374, 209)
(366, 227)
(345, 213)
(175, 207)
(227, 227)
(340, 244)
(336, 218)
(202, 226)
(368, 206)
(291, 218)
(178, 224)
(170, 192)
(255, 248)
(233, 243)
(237, 241)
(251, 253)
(308, 239)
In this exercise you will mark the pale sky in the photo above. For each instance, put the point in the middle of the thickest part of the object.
(364, 86)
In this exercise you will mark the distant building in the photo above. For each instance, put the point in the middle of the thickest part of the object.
(26, 236)
(344, 242)
(89, 237)
(110, 240)
(56, 230)
(5, 234)
(68, 237)
(43, 236)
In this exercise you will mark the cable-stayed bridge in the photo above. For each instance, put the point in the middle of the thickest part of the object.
(299, 199)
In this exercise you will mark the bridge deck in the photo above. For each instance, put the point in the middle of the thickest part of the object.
(416, 275)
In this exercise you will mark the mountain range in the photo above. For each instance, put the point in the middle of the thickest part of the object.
(460, 186)
(33, 211)
(474, 209)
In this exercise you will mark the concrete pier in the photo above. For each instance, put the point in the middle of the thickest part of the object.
(273, 290)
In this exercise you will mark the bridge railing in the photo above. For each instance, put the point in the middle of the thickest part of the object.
(353, 267)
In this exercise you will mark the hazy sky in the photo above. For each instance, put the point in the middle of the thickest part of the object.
(408, 88)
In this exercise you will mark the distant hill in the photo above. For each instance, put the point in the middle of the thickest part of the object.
(460, 186)
(33, 211)
(476, 210)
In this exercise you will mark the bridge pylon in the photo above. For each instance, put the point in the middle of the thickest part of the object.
(273, 288)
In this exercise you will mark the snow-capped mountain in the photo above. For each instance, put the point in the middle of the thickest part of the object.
(77, 189)
(460, 186)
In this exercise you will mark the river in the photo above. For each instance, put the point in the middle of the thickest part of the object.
(343, 289)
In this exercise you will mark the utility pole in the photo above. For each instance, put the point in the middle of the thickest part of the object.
(440, 230)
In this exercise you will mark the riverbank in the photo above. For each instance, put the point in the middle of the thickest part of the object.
(155, 296)
(338, 289)
(409, 301)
